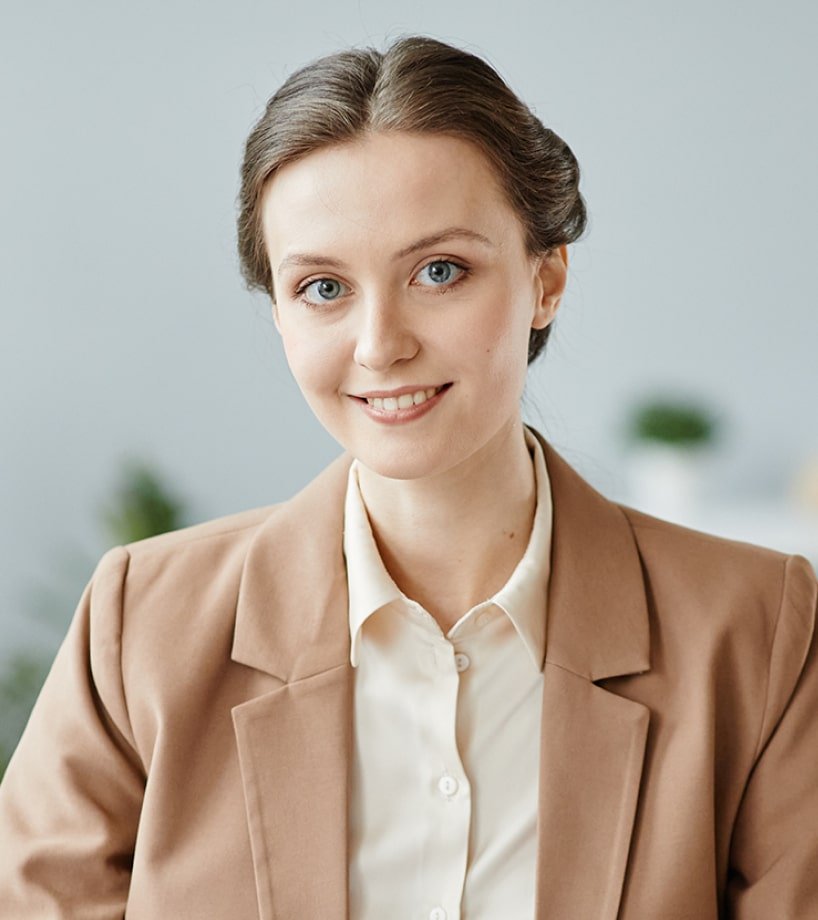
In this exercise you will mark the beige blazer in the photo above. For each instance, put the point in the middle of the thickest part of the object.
(188, 755)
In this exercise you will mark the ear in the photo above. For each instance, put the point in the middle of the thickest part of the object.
(551, 278)
(275, 317)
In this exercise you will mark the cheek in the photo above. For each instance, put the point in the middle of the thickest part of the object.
(313, 360)
(498, 338)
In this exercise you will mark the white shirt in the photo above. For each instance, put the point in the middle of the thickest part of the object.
(444, 781)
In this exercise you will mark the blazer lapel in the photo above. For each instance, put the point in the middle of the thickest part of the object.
(294, 741)
(592, 742)
(295, 737)
(591, 753)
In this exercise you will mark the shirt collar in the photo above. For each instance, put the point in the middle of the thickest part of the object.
(523, 597)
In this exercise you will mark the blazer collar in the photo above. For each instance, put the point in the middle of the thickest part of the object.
(291, 618)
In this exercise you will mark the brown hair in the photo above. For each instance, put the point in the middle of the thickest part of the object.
(423, 85)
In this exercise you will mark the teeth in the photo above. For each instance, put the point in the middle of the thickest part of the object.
(391, 403)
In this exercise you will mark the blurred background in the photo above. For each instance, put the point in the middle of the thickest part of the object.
(143, 388)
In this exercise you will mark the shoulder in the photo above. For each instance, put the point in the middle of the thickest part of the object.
(231, 528)
(186, 586)
(161, 586)
(698, 559)
(198, 550)
(724, 594)
(162, 617)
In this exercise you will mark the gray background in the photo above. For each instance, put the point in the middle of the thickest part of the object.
(126, 330)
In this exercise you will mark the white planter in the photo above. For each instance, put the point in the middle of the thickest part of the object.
(666, 481)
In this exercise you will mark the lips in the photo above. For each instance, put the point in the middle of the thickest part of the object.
(400, 417)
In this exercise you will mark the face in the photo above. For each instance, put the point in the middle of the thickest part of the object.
(397, 262)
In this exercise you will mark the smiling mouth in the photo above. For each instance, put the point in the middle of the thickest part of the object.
(392, 401)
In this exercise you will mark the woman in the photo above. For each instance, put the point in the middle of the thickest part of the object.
(447, 678)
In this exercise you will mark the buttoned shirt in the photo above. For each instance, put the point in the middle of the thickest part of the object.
(444, 778)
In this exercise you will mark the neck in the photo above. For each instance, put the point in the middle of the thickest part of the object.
(452, 540)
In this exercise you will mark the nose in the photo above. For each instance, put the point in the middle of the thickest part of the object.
(383, 336)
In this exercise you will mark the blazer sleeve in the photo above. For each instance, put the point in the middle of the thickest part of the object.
(773, 869)
(71, 796)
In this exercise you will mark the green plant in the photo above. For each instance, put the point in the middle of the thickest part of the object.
(671, 421)
(141, 506)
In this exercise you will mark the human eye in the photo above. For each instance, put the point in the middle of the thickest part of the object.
(323, 288)
(442, 271)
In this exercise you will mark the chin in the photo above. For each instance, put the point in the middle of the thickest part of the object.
(395, 462)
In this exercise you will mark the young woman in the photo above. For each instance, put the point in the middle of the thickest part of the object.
(448, 678)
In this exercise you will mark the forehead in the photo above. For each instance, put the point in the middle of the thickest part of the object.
(382, 190)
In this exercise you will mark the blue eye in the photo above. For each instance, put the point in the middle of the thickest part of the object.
(444, 274)
(440, 271)
(326, 288)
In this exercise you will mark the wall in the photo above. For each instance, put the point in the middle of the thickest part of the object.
(126, 329)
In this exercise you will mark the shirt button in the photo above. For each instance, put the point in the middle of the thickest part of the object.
(462, 661)
(437, 913)
(448, 786)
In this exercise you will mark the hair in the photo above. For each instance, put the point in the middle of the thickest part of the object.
(421, 85)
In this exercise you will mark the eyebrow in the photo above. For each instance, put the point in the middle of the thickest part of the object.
(309, 258)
